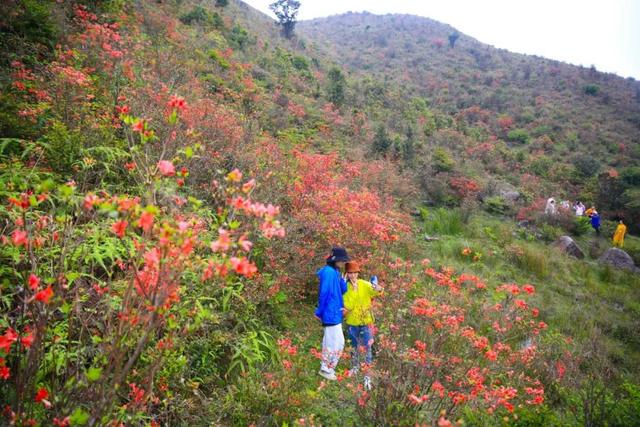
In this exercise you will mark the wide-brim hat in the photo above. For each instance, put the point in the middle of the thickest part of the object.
(338, 255)
(352, 267)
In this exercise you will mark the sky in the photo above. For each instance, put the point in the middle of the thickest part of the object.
(603, 33)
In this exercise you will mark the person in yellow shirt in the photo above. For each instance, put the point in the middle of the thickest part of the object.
(618, 236)
(358, 316)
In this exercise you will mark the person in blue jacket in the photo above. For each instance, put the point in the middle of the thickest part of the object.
(595, 222)
(331, 309)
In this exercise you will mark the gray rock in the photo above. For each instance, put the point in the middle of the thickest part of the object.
(619, 259)
(509, 195)
(567, 245)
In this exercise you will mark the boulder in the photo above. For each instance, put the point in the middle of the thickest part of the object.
(509, 195)
(619, 259)
(567, 245)
(506, 191)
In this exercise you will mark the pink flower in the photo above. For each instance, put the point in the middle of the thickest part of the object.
(19, 237)
(90, 200)
(166, 168)
(223, 243)
(245, 244)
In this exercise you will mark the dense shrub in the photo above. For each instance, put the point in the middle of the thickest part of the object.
(518, 135)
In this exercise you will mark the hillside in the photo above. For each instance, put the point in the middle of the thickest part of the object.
(173, 174)
(541, 125)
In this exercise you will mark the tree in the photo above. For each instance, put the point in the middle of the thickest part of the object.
(336, 86)
(381, 141)
(586, 165)
(409, 148)
(453, 37)
(286, 12)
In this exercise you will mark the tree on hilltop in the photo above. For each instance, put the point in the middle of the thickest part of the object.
(453, 37)
(286, 12)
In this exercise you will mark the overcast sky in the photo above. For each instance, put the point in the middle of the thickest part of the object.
(605, 33)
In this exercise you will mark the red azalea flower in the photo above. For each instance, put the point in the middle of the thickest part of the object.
(6, 340)
(34, 281)
(146, 221)
(5, 373)
(27, 340)
(44, 295)
(138, 126)
(42, 394)
(119, 228)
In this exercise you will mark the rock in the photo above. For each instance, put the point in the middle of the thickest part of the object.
(619, 259)
(568, 246)
(430, 238)
(509, 195)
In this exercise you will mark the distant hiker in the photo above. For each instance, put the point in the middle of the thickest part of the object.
(595, 221)
(329, 311)
(564, 205)
(358, 316)
(579, 208)
(550, 209)
(590, 211)
(618, 236)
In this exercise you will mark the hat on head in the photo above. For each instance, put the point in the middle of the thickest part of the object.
(352, 267)
(338, 255)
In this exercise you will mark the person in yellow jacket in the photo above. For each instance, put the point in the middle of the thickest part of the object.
(618, 236)
(358, 316)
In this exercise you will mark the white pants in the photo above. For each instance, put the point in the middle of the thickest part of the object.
(332, 346)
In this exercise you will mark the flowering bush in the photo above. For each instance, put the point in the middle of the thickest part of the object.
(458, 343)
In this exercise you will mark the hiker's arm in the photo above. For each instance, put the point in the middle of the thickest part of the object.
(343, 285)
(375, 290)
(322, 297)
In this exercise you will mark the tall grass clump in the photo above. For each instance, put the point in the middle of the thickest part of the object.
(530, 259)
(441, 221)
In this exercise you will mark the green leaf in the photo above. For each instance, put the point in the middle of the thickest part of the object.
(65, 308)
(79, 417)
(188, 152)
(173, 117)
(71, 276)
(96, 339)
(66, 191)
(94, 374)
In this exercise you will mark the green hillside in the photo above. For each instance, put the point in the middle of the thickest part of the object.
(545, 126)
(173, 173)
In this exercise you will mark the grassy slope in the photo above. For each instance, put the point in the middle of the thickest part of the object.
(574, 296)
